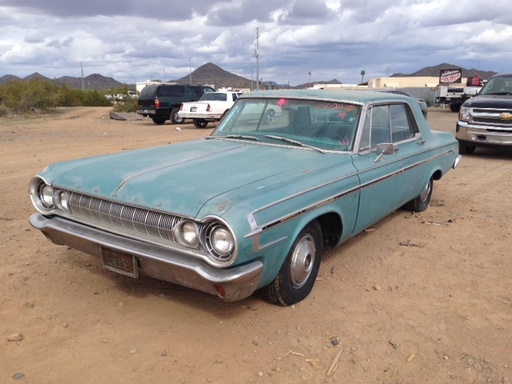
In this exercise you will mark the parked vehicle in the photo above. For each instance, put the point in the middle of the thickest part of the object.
(452, 92)
(486, 119)
(210, 107)
(253, 205)
(161, 102)
(421, 102)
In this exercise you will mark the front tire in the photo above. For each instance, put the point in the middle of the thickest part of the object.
(298, 273)
(465, 149)
(269, 117)
(421, 203)
(175, 118)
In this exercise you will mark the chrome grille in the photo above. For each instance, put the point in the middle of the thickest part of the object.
(492, 117)
(123, 217)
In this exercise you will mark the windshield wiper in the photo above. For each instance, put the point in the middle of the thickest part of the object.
(500, 93)
(291, 141)
(243, 137)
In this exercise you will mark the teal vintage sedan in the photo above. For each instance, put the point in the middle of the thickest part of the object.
(252, 206)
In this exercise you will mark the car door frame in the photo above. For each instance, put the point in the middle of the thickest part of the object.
(388, 180)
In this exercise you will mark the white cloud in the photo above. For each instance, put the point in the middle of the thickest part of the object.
(132, 40)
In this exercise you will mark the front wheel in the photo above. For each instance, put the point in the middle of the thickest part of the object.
(200, 123)
(298, 273)
(421, 203)
(175, 118)
(269, 117)
(465, 149)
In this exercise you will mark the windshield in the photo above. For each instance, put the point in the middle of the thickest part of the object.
(319, 124)
(501, 85)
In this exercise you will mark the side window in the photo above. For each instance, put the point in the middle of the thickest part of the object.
(174, 90)
(401, 128)
(376, 128)
(386, 124)
(195, 92)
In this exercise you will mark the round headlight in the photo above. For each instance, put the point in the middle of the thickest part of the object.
(186, 234)
(222, 241)
(46, 196)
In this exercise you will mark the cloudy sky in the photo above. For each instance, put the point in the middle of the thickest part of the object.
(133, 40)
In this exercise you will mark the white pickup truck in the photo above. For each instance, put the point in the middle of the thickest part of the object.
(210, 107)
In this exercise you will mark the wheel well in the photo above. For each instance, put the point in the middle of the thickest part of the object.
(437, 175)
(331, 226)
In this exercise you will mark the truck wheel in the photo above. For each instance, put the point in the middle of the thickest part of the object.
(465, 149)
(455, 107)
(175, 118)
(200, 123)
(298, 273)
(159, 120)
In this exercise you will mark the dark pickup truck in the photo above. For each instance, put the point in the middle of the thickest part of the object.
(486, 119)
(162, 102)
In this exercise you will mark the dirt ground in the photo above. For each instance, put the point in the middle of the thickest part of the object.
(420, 298)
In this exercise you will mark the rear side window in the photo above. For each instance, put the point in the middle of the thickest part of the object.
(172, 91)
(387, 124)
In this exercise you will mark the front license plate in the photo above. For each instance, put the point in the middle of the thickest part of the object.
(119, 262)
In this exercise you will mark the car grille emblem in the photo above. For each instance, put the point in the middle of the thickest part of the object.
(506, 116)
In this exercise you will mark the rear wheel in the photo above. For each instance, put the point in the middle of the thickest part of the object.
(175, 118)
(159, 120)
(421, 203)
(298, 273)
(200, 123)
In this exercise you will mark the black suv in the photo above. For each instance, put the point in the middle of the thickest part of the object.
(162, 102)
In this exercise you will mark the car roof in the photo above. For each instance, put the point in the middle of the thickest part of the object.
(355, 96)
(503, 75)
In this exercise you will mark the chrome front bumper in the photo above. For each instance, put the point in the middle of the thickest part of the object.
(230, 284)
(483, 135)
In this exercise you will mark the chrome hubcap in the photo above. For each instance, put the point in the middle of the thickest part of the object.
(426, 192)
(303, 259)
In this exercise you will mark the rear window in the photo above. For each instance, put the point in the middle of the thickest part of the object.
(215, 96)
(148, 92)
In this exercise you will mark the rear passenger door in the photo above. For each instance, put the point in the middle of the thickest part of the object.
(388, 181)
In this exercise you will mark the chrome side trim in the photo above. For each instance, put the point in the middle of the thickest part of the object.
(258, 229)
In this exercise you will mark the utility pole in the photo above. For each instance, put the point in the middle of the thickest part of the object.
(82, 69)
(257, 55)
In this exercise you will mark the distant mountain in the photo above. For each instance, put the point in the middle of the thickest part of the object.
(94, 81)
(212, 74)
(435, 70)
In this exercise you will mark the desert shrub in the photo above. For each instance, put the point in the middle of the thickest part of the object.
(25, 96)
(4, 111)
(93, 98)
(127, 105)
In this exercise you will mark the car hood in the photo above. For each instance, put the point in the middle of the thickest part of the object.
(489, 101)
(182, 178)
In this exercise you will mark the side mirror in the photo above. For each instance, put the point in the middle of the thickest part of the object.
(384, 149)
